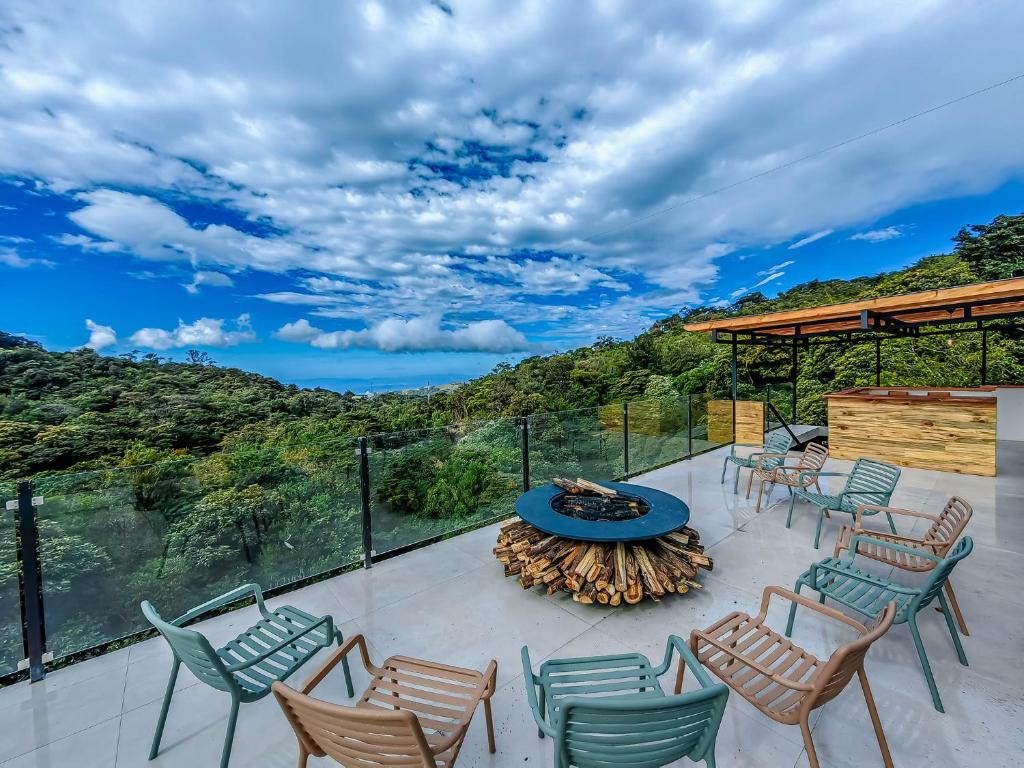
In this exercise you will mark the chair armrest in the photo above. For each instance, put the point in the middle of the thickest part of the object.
(678, 644)
(887, 536)
(239, 593)
(747, 661)
(762, 456)
(531, 693)
(819, 473)
(876, 508)
(335, 657)
(897, 547)
(862, 577)
(814, 605)
(732, 450)
(326, 621)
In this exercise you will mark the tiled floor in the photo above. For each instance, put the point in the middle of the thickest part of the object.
(450, 602)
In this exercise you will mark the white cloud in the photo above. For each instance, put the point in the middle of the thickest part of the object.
(776, 268)
(810, 239)
(204, 332)
(419, 334)
(100, 336)
(11, 258)
(214, 279)
(879, 235)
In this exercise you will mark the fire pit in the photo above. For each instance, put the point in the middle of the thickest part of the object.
(602, 542)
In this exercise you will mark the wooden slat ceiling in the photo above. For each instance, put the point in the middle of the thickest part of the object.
(968, 303)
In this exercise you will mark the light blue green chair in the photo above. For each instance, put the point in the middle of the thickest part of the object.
(870, 482)
(269, 651)
(611, 711)
(776, 445)
(841, 580)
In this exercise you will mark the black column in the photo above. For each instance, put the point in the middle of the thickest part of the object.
(364, 502)
(32, 622)
(734, 349)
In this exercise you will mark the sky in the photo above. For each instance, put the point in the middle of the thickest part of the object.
(383, 195)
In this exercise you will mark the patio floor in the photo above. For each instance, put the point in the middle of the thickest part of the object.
(450, 602)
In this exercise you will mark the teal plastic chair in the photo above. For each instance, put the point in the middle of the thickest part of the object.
(841, 580)
(778, 443)
(271, 650)
(870, 482)
(611, 710)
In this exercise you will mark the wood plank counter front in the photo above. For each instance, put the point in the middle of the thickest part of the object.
(950, 430)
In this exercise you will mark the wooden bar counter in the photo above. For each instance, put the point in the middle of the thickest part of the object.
(950, 430)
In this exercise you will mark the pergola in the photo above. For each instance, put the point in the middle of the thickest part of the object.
(975, 308)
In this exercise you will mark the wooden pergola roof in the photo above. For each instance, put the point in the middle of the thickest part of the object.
(903, 315)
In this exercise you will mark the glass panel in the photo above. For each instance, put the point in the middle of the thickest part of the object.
(179, 533)
(427, 483)
(583, 443)
(657, 433)
(699, 428)
(11, 648)
(781, 396)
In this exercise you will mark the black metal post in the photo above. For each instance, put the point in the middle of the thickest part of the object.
(878, 361)
(625, 438)
(31, 578)
(364, 502)
(524, 429)
(689, 425)
(984, 356)
(734, 389)
(792, 395)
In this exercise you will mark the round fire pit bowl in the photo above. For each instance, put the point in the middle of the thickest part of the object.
(664, 514)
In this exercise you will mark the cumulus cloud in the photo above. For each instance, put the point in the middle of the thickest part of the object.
(417, 334)
(214, 279)
(811, 239)
(100, 336)
(879, 235)
(204, 332)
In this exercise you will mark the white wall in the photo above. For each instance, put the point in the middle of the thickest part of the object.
(1010, 413)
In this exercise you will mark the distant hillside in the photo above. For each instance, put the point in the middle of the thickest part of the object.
(76, 410)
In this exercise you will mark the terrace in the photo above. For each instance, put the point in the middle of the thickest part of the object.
(449, 601)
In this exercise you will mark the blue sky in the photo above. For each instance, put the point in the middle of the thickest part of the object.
(370, 195)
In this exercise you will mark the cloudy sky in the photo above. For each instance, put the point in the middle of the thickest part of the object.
(389, 193)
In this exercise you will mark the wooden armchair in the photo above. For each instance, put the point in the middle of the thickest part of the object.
(941, 536)
(777, 444)
(780, 678)
(413, 714)
(792, 475)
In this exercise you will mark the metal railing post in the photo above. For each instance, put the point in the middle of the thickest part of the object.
(30, 578)
(689, 425)
(364, 502)
(625, 439)
(524, 431)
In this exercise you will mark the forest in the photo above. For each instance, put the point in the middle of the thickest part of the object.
(174, 481)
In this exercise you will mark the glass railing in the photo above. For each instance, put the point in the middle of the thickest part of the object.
(659, 432)
(587, 442)
(11, 647)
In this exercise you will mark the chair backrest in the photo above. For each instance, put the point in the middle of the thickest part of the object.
(193, 650)
(951, 523)
(870, 482)
(778, 441)
(638, 732)
(363, 736)
(937, 576)
(814, 457)
(844, 662)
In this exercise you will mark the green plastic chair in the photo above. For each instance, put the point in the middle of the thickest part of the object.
(611, 710)
(779, 442)
(271, 650)
(870, 482)
(841, 580)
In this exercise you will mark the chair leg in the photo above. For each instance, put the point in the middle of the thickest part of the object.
(792, 501)
(892, 525)
(924, 664)
(956, 608)
(709, 756)
(303, 756)
(344, 666)
(490, 725)
(736, 480)
(725, 466)
(817, 532)
(541, 702)
(875, 722)
(750, 482)
(760, 493)
(952, 629)
(792, 611)
(680, 673)
(229, 737)
(812, 755)
(155, 748)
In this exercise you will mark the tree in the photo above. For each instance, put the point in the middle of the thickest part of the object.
(198, 357)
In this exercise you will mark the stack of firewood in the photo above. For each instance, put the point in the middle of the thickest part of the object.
(608, 573)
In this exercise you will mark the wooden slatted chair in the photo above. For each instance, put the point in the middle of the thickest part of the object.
(789, 475)
(611, 710)
(272, 649)
(779, 677)
(868, 594)
(939, 539)
(778, 443)
(413, 714)
(870, 482)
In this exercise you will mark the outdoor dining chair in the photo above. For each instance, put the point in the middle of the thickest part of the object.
(777, 444)
(272, 649)
(788, 475)
(413, 714)
(780, 678)
(939, 539)
(868, 594)
(611, 711)
(869, 482)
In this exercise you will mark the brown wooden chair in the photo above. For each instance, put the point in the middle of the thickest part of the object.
(811, 460)
(941, 536)
(413, 714)
(780, 678)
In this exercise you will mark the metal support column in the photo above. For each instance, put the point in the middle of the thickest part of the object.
(625, 439)
(31, 578)
(878, 361)
(689, 425)
(734, 388)
(364, 502)
(524, 429)
(984, 356)
(792, 394)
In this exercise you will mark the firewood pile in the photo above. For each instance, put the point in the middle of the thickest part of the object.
(589, 501)
(608, 573)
